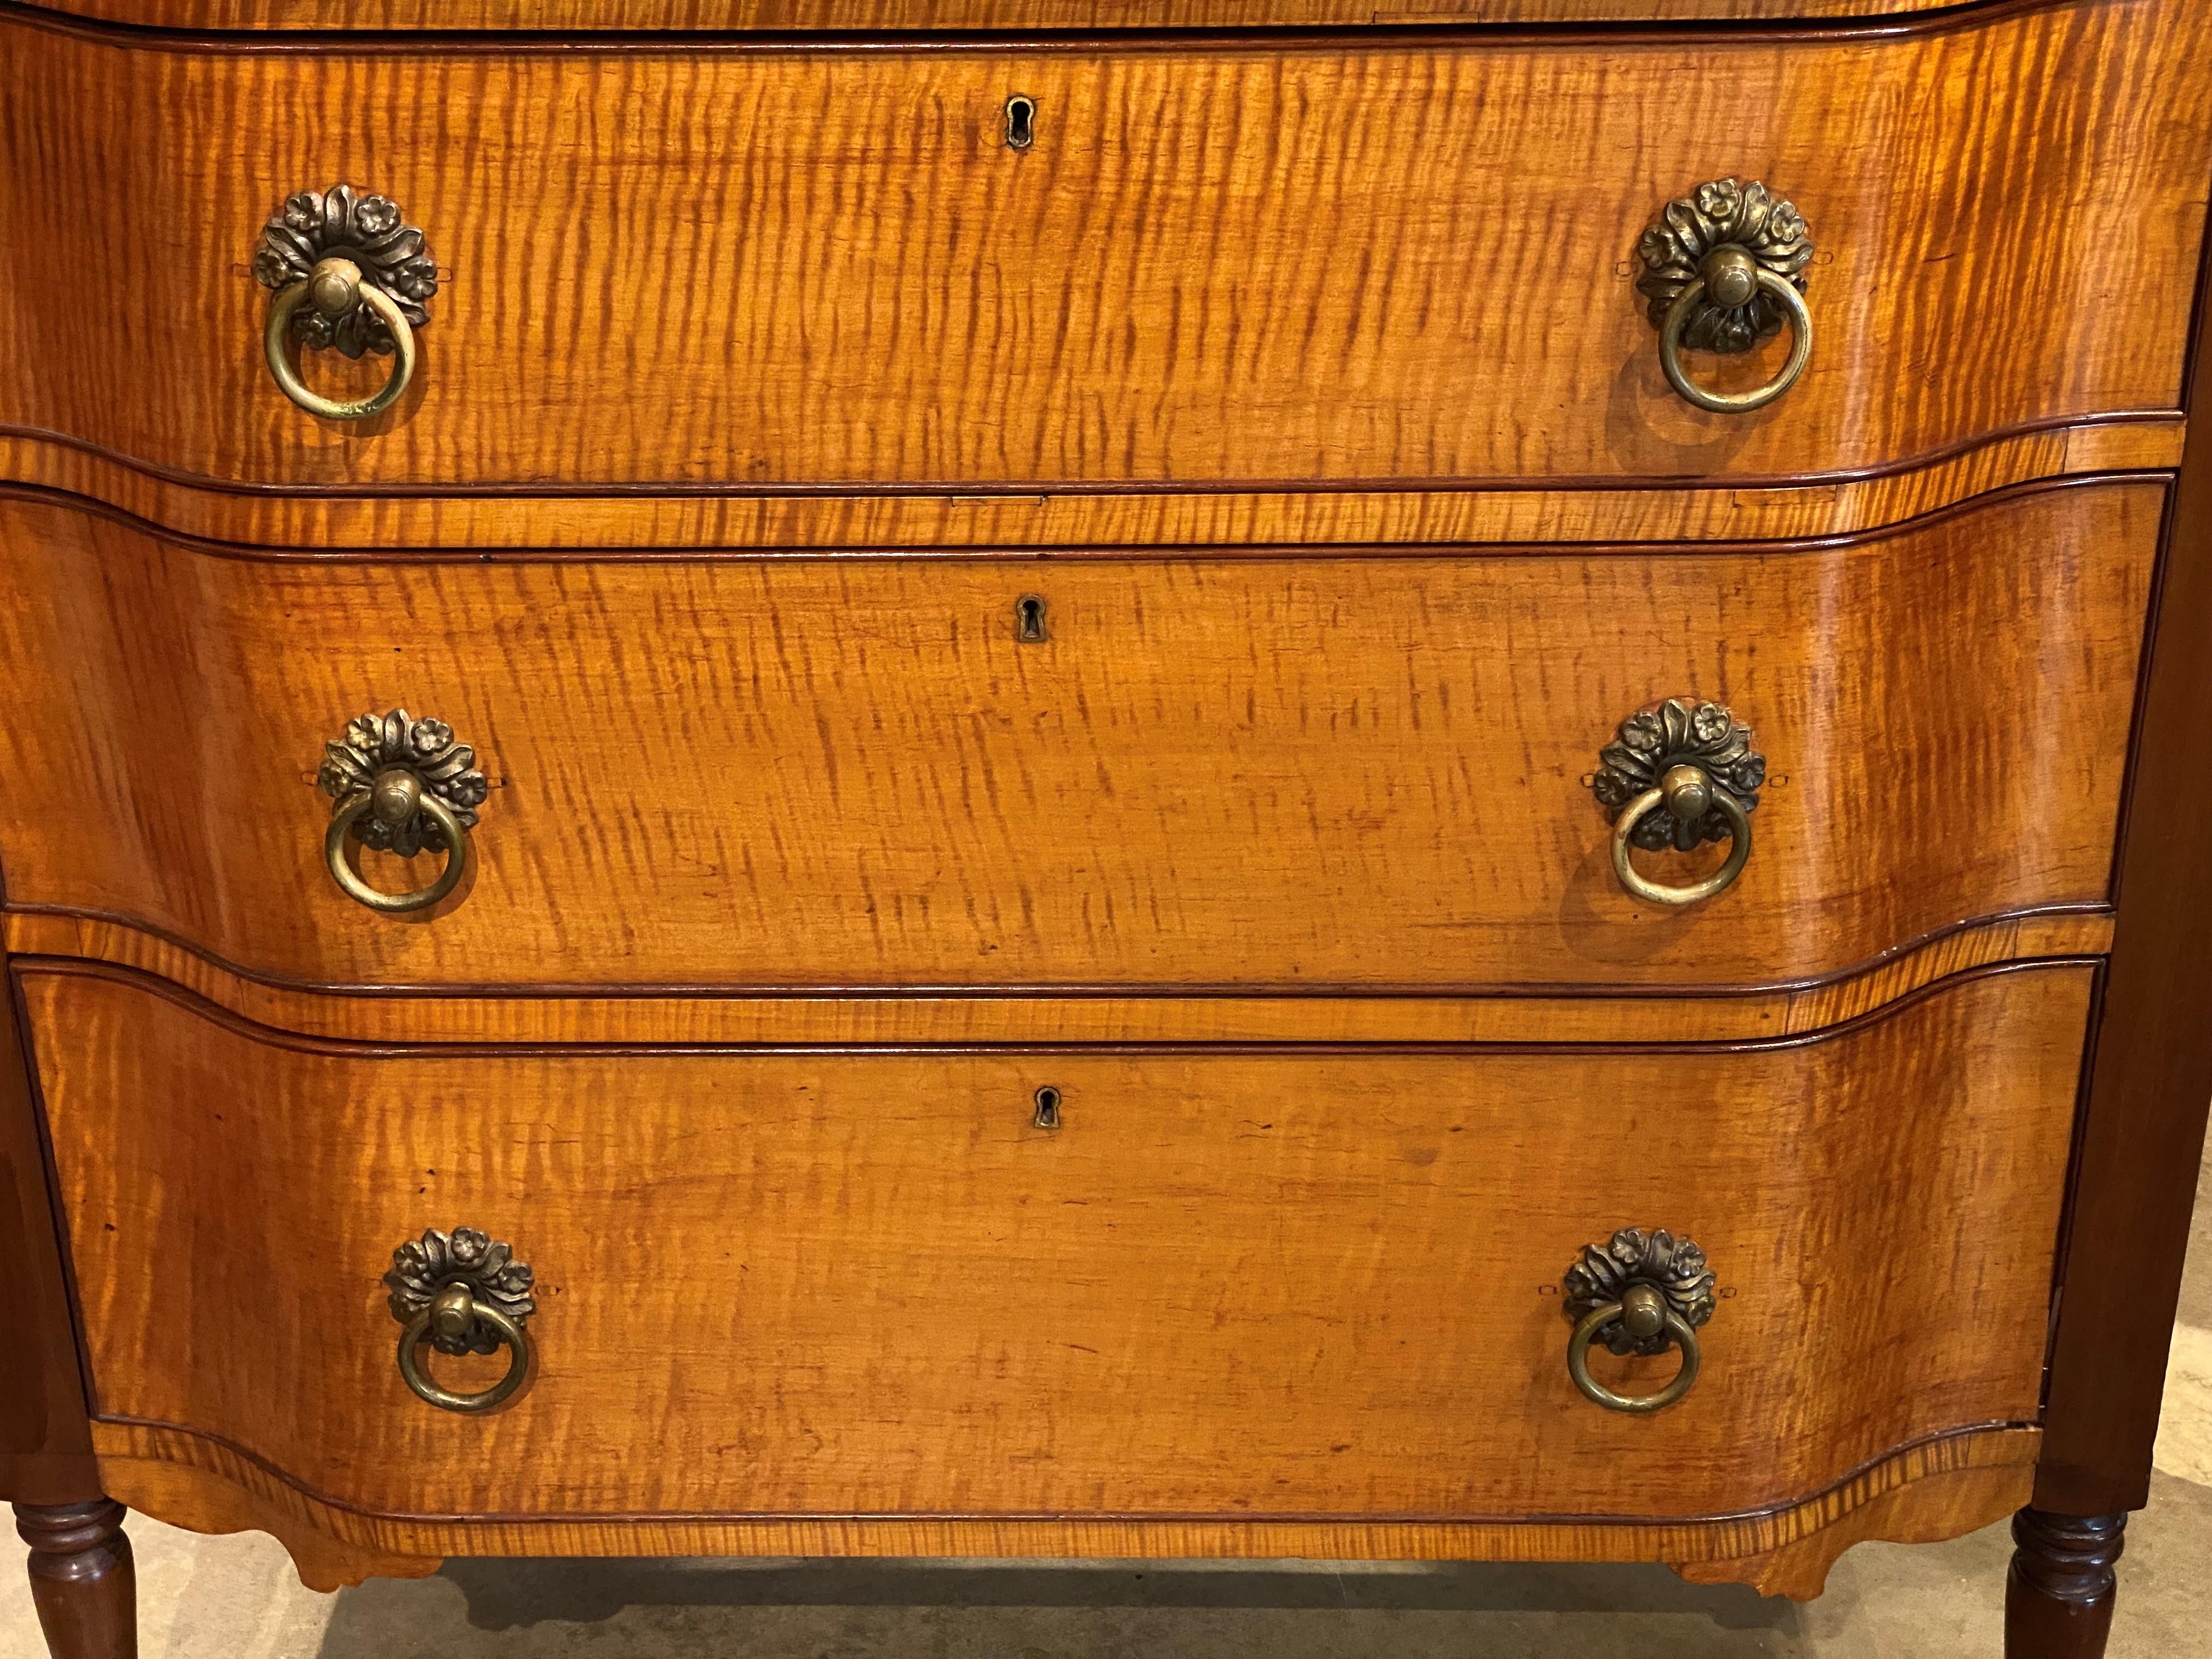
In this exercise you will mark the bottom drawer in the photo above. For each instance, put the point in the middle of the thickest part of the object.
(1232, 1283)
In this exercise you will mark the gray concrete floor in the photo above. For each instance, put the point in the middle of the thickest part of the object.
(237, 1598)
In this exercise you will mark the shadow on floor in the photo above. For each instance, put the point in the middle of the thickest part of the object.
(504, 1594)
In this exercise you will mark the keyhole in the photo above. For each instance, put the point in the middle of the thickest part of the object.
(1021, 122)
(1047, 1107)
(1028, 619)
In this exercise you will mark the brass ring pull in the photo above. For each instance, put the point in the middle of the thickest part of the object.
(1677, 775)
(1687, 792)
(451, 1314)
(1643, 1313)
(394, 797)
(1737, 269)
(336, 287)
(1724, 269)
(400, 785)
(1641, 1291)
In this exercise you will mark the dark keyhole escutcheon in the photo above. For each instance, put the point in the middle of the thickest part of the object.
(1021, 121)
(1047, 1107)
(1028, 619)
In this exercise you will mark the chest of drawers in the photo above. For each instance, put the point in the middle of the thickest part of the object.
(1038, 778)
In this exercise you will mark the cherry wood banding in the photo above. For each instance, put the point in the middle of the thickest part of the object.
(1221, 265)
(1231, 1286)
(1290, 772)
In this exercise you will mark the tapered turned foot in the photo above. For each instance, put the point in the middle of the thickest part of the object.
(2058, 1600)
(82, 1579)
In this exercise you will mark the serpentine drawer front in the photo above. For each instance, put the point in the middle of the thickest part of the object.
(1420, 779)
(1251, 768)
(854, 1284)
(1212, 263)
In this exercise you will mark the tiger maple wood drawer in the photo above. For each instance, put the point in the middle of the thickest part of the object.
(1259, 1284)
(1247, 769)
(984, 267)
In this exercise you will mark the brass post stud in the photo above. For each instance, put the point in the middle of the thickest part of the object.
(1643, 1312)
(1731, 275)
(452, 1312)
(334, 286)
(395, 796)
(1688, 791)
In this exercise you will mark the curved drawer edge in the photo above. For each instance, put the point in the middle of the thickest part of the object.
(320, 520)
(1940, 1487)
(621, 1017)
(751, 25)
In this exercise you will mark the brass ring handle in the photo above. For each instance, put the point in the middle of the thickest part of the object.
(1687, 792)
(1742, 274)
(451, 1313)
(335, 287)
(394, 796)
(1645, 1313)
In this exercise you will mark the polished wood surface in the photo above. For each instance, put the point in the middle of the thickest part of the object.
(1030, 1017)
(45, 1452)
(954, 15)
(1233, 1287)
(2061, 1591)
(1260, 771)
(83, 1581)
(1219, 265)
(2144, 1118)
(1939, 1488)
(432, 528)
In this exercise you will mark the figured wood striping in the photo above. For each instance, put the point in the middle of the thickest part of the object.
(1232, 1287)
(1032, 1018)
(1221, 265)
(1293, 773)
(1937, 1488)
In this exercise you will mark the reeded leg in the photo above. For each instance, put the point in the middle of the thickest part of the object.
(82, 1579)
(2058, 1600)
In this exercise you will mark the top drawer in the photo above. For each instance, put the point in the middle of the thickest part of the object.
(1220, 262)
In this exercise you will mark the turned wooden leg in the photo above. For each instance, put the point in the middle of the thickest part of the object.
(82, 1579)
(2058, 1600)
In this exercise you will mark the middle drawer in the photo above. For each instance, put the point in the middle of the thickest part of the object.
(1253, 769)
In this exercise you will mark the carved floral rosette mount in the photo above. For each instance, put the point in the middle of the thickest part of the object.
(379, 743)
(1674, 1267)
(343, 222)
(1678, 732)
(1723, 213)
(485, 1267)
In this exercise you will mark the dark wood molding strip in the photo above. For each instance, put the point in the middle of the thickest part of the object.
(1018, 488)
(256, 553)
(566, 990)
(24, 968)
(1754, 31)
